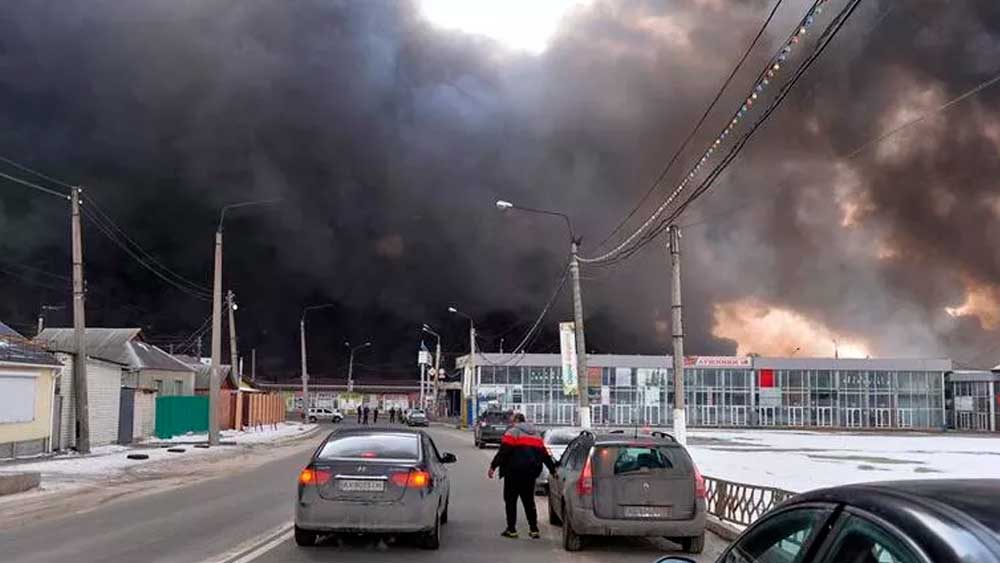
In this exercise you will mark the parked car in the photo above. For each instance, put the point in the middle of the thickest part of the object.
(617, 484)
(323, 414)
(939, 521)
(556, 440)
(365, 480)
(490, 427)
(417, 417)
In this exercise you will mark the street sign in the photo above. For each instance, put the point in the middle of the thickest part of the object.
(424, 358)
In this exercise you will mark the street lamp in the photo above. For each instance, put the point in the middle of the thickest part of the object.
(302, 342)
(583, 389)
(437, 361)
(467, 382)
(214, 384)
(350, 364)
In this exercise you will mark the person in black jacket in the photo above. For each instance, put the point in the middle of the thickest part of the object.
(520, 459)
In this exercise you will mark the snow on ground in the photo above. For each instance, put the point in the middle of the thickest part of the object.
(105, 462)
(802, 460)
(250, 436)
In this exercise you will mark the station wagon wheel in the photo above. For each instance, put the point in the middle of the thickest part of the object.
(693, 544)
(571, 540)
(305, 538)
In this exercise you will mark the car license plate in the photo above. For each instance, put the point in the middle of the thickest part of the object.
(647, 511)
(499, 427)
(359, 486)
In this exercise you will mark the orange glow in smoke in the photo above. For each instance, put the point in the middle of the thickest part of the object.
(773, 331)
(981, 301)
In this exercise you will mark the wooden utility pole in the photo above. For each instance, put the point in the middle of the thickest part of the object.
(79, 331)
(253, 365)
(680, 423)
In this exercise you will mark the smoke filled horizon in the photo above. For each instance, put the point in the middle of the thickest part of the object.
(388, 137)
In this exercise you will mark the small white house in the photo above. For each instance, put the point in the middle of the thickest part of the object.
(27, 379)
(141, 372)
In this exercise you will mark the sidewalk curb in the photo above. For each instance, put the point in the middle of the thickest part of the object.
(722, 529)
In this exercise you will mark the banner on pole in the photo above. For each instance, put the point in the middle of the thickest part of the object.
(567, 348)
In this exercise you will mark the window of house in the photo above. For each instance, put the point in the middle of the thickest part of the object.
(159, 386)
(178, 387)
(17, 398)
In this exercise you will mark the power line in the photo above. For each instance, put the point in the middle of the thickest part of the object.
(115, 228)
(697, 126)
(24, 168)
(34, 186)
(634, 242)
(197, 294)
(762, 80)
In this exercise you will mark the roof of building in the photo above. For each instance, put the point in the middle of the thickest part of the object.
(7, 331)
(122, 346)
(203, 371)
(729, 362)
(16, 349)
(973, 375)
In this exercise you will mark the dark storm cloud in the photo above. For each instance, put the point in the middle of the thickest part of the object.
(388, 141)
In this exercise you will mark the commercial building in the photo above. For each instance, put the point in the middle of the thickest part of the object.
(721, 391)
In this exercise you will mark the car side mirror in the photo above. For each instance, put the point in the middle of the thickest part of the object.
(675, 559)
(448, 458)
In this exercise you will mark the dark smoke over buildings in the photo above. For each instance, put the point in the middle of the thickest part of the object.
(388, 141)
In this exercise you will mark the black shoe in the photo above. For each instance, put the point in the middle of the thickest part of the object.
(512, 534)
(533, 534)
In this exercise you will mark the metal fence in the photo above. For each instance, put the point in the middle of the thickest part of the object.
(740, 503)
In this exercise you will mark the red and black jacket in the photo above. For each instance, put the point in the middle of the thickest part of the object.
(522, 453)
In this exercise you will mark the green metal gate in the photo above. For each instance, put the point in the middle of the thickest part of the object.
(180, 415)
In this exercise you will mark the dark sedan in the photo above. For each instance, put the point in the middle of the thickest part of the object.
(940, 521)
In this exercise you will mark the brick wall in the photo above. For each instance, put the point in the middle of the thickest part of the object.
(144, 421)
(104, 382)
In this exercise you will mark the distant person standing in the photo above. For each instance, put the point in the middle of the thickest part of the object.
(392, 415)
(367, 411)
(359, 414)
(375, 415)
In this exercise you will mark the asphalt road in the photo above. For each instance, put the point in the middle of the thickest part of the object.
(244, 516)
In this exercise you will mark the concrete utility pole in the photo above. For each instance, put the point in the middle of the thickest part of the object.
(470, 381)
(234, 360)
(437, 363)
(79, 330)
(583, 381)
(305, 372)
(680, 423)
(253, 365)
(350, 364)
(305, 369)
(214, 373)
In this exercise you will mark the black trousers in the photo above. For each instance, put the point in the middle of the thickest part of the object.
(524, 489)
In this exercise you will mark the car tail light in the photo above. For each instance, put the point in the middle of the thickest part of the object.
(310, 476)
(413, 479)
(699, 484)
(585, 485)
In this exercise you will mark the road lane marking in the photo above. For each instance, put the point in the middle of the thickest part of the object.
(256, 546)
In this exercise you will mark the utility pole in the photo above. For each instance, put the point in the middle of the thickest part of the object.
(680, 424)
(305, 373)
(583, 381)
(437, 371)
(234, 359)
(472, 377)
(253, 365)
(350, 369)
(79, 330)
(214, 374)
(41, 324)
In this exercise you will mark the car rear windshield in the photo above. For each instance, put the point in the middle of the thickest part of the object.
(560, 437)
(371, 446)
(493, 417)
(636, 458)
